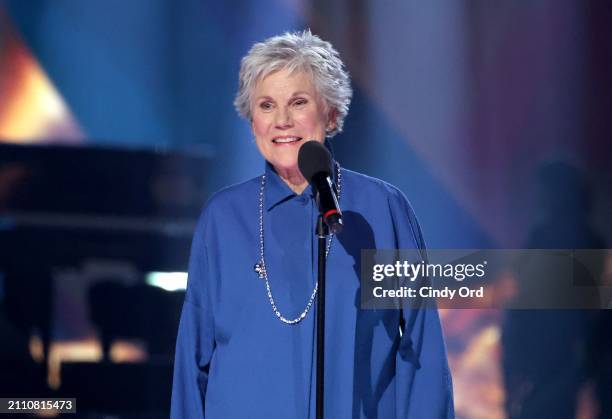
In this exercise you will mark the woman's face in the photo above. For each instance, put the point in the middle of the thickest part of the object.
(287, 111)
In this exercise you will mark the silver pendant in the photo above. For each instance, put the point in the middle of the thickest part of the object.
(258, 268)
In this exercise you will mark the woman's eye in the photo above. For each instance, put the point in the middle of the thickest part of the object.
(300, 102)
(266, 106)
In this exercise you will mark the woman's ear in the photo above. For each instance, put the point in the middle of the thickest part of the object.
(332, 116)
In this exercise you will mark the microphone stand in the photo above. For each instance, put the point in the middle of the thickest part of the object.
(322, 233)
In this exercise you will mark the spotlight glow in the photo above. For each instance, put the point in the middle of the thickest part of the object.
(169, 281)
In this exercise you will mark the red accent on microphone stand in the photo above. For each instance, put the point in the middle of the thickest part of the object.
(330, 212)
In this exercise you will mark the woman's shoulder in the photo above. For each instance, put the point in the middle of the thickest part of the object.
(370, 192)
(228, 199)
(369, 185)
(233, 194)
(227, 202)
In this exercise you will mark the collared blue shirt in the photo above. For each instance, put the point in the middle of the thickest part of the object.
(236, 360)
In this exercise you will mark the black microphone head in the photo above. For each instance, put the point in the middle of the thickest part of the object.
(314, 158)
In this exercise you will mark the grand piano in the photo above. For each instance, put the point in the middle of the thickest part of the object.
(62, 207)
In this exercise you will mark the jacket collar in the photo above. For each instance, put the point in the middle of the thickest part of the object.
(278, 192)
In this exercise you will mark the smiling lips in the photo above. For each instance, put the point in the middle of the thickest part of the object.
(286, 140)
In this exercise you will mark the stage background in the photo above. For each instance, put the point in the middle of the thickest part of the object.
(493, 117)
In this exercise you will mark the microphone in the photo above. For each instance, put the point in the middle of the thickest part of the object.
(315, 163)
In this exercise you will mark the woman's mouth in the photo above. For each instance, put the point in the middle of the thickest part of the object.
(286, 140)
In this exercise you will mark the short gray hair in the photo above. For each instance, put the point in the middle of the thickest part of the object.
(297, 51)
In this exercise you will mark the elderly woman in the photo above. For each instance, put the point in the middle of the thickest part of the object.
(246, 345)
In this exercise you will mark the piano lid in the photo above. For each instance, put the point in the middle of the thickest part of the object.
(62, 204)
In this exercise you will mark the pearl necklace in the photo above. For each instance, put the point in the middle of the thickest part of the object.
(260, 267)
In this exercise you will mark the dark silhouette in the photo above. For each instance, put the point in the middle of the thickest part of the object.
(545, 351)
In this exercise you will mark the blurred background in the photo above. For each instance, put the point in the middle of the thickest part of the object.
(116, 124)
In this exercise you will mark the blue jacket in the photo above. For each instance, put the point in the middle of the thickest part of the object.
(236, 360)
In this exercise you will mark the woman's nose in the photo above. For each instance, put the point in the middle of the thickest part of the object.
(283, 118)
